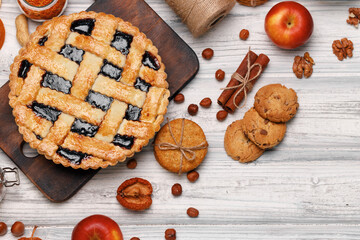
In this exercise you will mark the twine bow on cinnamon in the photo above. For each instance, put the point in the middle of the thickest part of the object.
(186, 152)
(245, 83)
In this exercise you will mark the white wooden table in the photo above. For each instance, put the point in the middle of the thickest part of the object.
(308, 187)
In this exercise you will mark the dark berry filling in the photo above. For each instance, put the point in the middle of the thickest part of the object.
(111, 71)
(72, 53)
(84, 128)
(73, 156)
(133, 113)
(24, 69)
(150, 61)
(123, 141)
(42, 40)
(56, 82)
(44, 111)
(83, 26)
(99, 100)
(142, 85)
(38, 137)
(122, 42)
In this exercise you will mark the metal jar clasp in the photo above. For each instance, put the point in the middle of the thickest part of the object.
(8, 170)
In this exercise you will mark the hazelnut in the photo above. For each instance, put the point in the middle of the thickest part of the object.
(192, 212)
(207, 53)
(193, 109)
(244, 34)
(221, 115)
(131, 164)
(206, 102)
(3, 228)
(219, 75)
(179, 98)
(18, 229)
(170, 234)
(193, 176)
(176, 189)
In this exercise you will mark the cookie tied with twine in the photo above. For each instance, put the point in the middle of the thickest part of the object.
(180, 146)
(201, 15)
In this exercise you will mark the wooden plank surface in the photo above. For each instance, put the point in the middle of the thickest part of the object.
(228, 232)
(306, 188)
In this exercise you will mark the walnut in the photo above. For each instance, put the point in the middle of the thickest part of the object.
(354, 17)
(303, 66)
(308, 58)
(343, 48)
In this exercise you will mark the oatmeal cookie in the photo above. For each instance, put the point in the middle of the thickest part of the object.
(276, 103)
(238, 146)
(264, 133)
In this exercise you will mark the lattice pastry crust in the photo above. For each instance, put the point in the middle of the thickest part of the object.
(88, 90)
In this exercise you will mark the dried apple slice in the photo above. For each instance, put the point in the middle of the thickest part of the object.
(135, 194)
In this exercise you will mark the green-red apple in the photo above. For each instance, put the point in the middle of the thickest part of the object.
(289, 24)
(97, 227)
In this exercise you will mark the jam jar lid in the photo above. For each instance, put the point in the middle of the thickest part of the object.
(37, 5)
(41, 10)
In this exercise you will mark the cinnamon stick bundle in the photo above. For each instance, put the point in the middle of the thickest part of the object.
(242, 70)
(263, 60)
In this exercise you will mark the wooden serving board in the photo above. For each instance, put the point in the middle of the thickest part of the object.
(56, 182)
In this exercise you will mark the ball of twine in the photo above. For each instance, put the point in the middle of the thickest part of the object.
(201, 15)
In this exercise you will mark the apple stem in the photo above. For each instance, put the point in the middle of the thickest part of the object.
(33, 232)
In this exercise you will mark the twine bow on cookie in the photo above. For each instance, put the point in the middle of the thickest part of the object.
(186, 152)
(245, 83)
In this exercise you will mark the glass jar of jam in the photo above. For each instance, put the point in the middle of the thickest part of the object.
(5, 182)
(41, 10)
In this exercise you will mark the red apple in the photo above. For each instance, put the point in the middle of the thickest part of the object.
(289, 24)
(97, 227)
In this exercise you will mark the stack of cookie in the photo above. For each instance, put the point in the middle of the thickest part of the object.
(264, 125)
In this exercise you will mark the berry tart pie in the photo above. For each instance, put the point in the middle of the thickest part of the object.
(88, 90)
